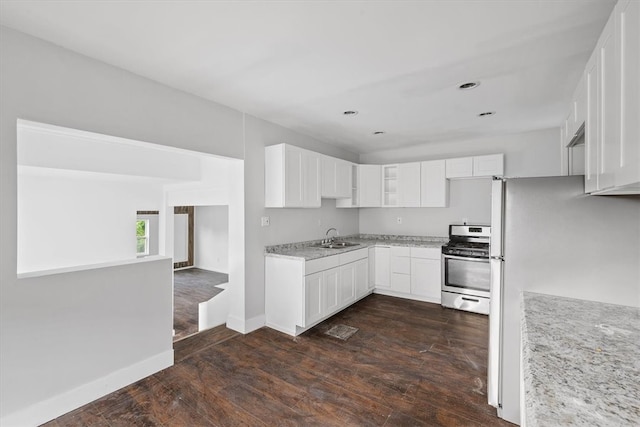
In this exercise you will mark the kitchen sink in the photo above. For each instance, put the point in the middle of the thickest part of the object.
(335, 245)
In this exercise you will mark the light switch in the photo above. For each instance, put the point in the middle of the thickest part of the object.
(265, 221)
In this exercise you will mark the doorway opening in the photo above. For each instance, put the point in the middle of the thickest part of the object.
(201, 254)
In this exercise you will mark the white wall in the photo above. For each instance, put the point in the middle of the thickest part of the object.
(211, 235)
(44, 83)
(526, 154)
(180, 238)
(287, 225)
(78, 219)
(82, 337)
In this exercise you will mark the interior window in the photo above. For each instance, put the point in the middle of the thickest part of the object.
(142, 236)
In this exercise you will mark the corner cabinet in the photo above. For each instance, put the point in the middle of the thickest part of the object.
(300, 294)
(292, 177)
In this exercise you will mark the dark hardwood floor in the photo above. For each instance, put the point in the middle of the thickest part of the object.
(191, 287)
(410, 364)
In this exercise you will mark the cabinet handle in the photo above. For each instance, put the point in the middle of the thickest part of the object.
(470, 299)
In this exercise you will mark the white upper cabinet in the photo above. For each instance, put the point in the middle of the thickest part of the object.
(401, 185)
(612, 128)
(609, 99)
(353, 200)
(459, 168)
(475, 167)
(491, 165)
(627, 164)
(370, 186)
(434, 186)
(591, 124)
(336, 178)
(409, 184)
(292, 177)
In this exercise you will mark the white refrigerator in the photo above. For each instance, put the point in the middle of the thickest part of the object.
(548, 236)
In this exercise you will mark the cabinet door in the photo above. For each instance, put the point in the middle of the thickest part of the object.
(347, 284)
(409, 184)
(401, 282)
(311, 181)
(372, 268)
(370, 186)
(343, 179)
(331, 291)
(591, 125)
(628, 61)
(312, 298)
(293, 177)
(328, 176)
(491, 165)
(382, 267)
(459, 168)
(579, 104)
(609, 99)
(362, 277)
(434, 187)
(426, 278)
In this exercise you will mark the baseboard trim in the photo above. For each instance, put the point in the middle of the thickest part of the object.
(396, 294)
(246, 326)
(56, 406)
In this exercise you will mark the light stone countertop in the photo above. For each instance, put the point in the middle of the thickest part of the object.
(581, 362)
(306, 250)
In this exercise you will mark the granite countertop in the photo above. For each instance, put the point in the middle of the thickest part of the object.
(307, 251)
(581, 362)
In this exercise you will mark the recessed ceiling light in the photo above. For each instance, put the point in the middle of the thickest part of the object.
(350, 113)
(468, 85)
(486, 113)
(379, 132)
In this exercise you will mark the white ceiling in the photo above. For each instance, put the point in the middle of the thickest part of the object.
(301, 63)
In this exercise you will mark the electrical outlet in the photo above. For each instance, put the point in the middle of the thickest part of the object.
(265, 221)
(399, 220)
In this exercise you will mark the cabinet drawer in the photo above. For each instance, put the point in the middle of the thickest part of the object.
(400, 251)
(428, 253)
(352, 256)
(321, 264)
(401, 265)
(401, 282)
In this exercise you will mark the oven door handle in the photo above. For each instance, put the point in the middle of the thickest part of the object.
(465, 258)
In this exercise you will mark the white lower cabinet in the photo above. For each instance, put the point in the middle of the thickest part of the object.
(331, 290)
(382, 266)
(347, 283)
(413, 272)
(400, 269)
(300, 294)
(313, 291)
(363, 285)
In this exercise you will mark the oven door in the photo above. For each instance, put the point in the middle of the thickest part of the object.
(464, 275)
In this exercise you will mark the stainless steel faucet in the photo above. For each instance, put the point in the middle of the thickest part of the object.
(330, 239)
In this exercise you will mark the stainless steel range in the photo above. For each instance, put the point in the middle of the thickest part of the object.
(466, 272)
